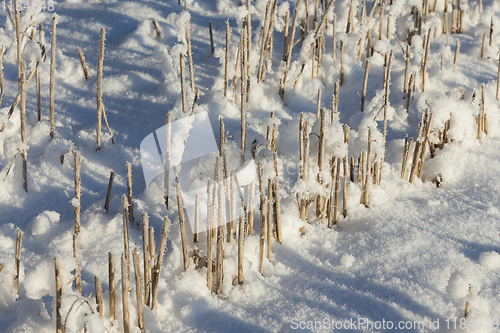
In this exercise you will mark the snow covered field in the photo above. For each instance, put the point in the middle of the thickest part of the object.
(410, 261)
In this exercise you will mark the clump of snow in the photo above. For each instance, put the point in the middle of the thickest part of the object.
(490, 260)
(44, 222)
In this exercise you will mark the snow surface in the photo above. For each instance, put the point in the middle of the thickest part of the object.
(418, 253)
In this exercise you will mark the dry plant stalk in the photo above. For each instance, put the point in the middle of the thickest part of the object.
(100, 61)
(427, 131)
(251, 200)
(457, 49)
(483, 45)
(82, 61)
(263, 229)
(183, 228)
(498, 79)
(417, 152)
(138, 291)
(337, 187)
(334, 46)
(226, 62)
(130, 207)
(424, 66)
(125, 231)
(349, 18)
(366, 187)
(321, 158)
(17, 262)
(108, 193)
(407, 66)
(243, 97)
(158, 262)
(288, 53)
(220, 232)
(77, 206)
(344, 193)
(183, 91)
(196, 219)
(76, 255)
(332, 191)
(318, 104)
(269, 227)
(466, 312)
(190, 57)
(233, 203)
(146, 255)
(381, 21)
(411, 85)
(264, 44)
(125, 279)
(365, 83)
(22, 111)
(341, 62)
(209, 236)
(277, 210)
(111, 273)
(166, 179)
(57, 267)
(241, 238)
(98, 295)
(491, 32)
(211, 37)
(18, 44)
(406, 157)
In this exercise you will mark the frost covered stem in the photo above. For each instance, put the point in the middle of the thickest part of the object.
(98, 295)
(159, 259)
(226, 62)
(289, 47)
(365, 82)
(321, 158)
(138, 290)
(37, 72)
(251, 200)
(145, 250)
(111, 273)
(243, 98)
(209, 236)
(183, 228)
(125, 230)
(407, 66)
(22, 109)
(269, 217)
(346, 180)
(190, 57)
(166, 180)
(498, 79)
(125, 280)
(183, 89)
(18, 44)
(277, 210)
(100, 60)
(337, 186)
(262, 238)
(77, 205)
(57, 267)
(366, 192)
(52, 72)
(220, 232)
